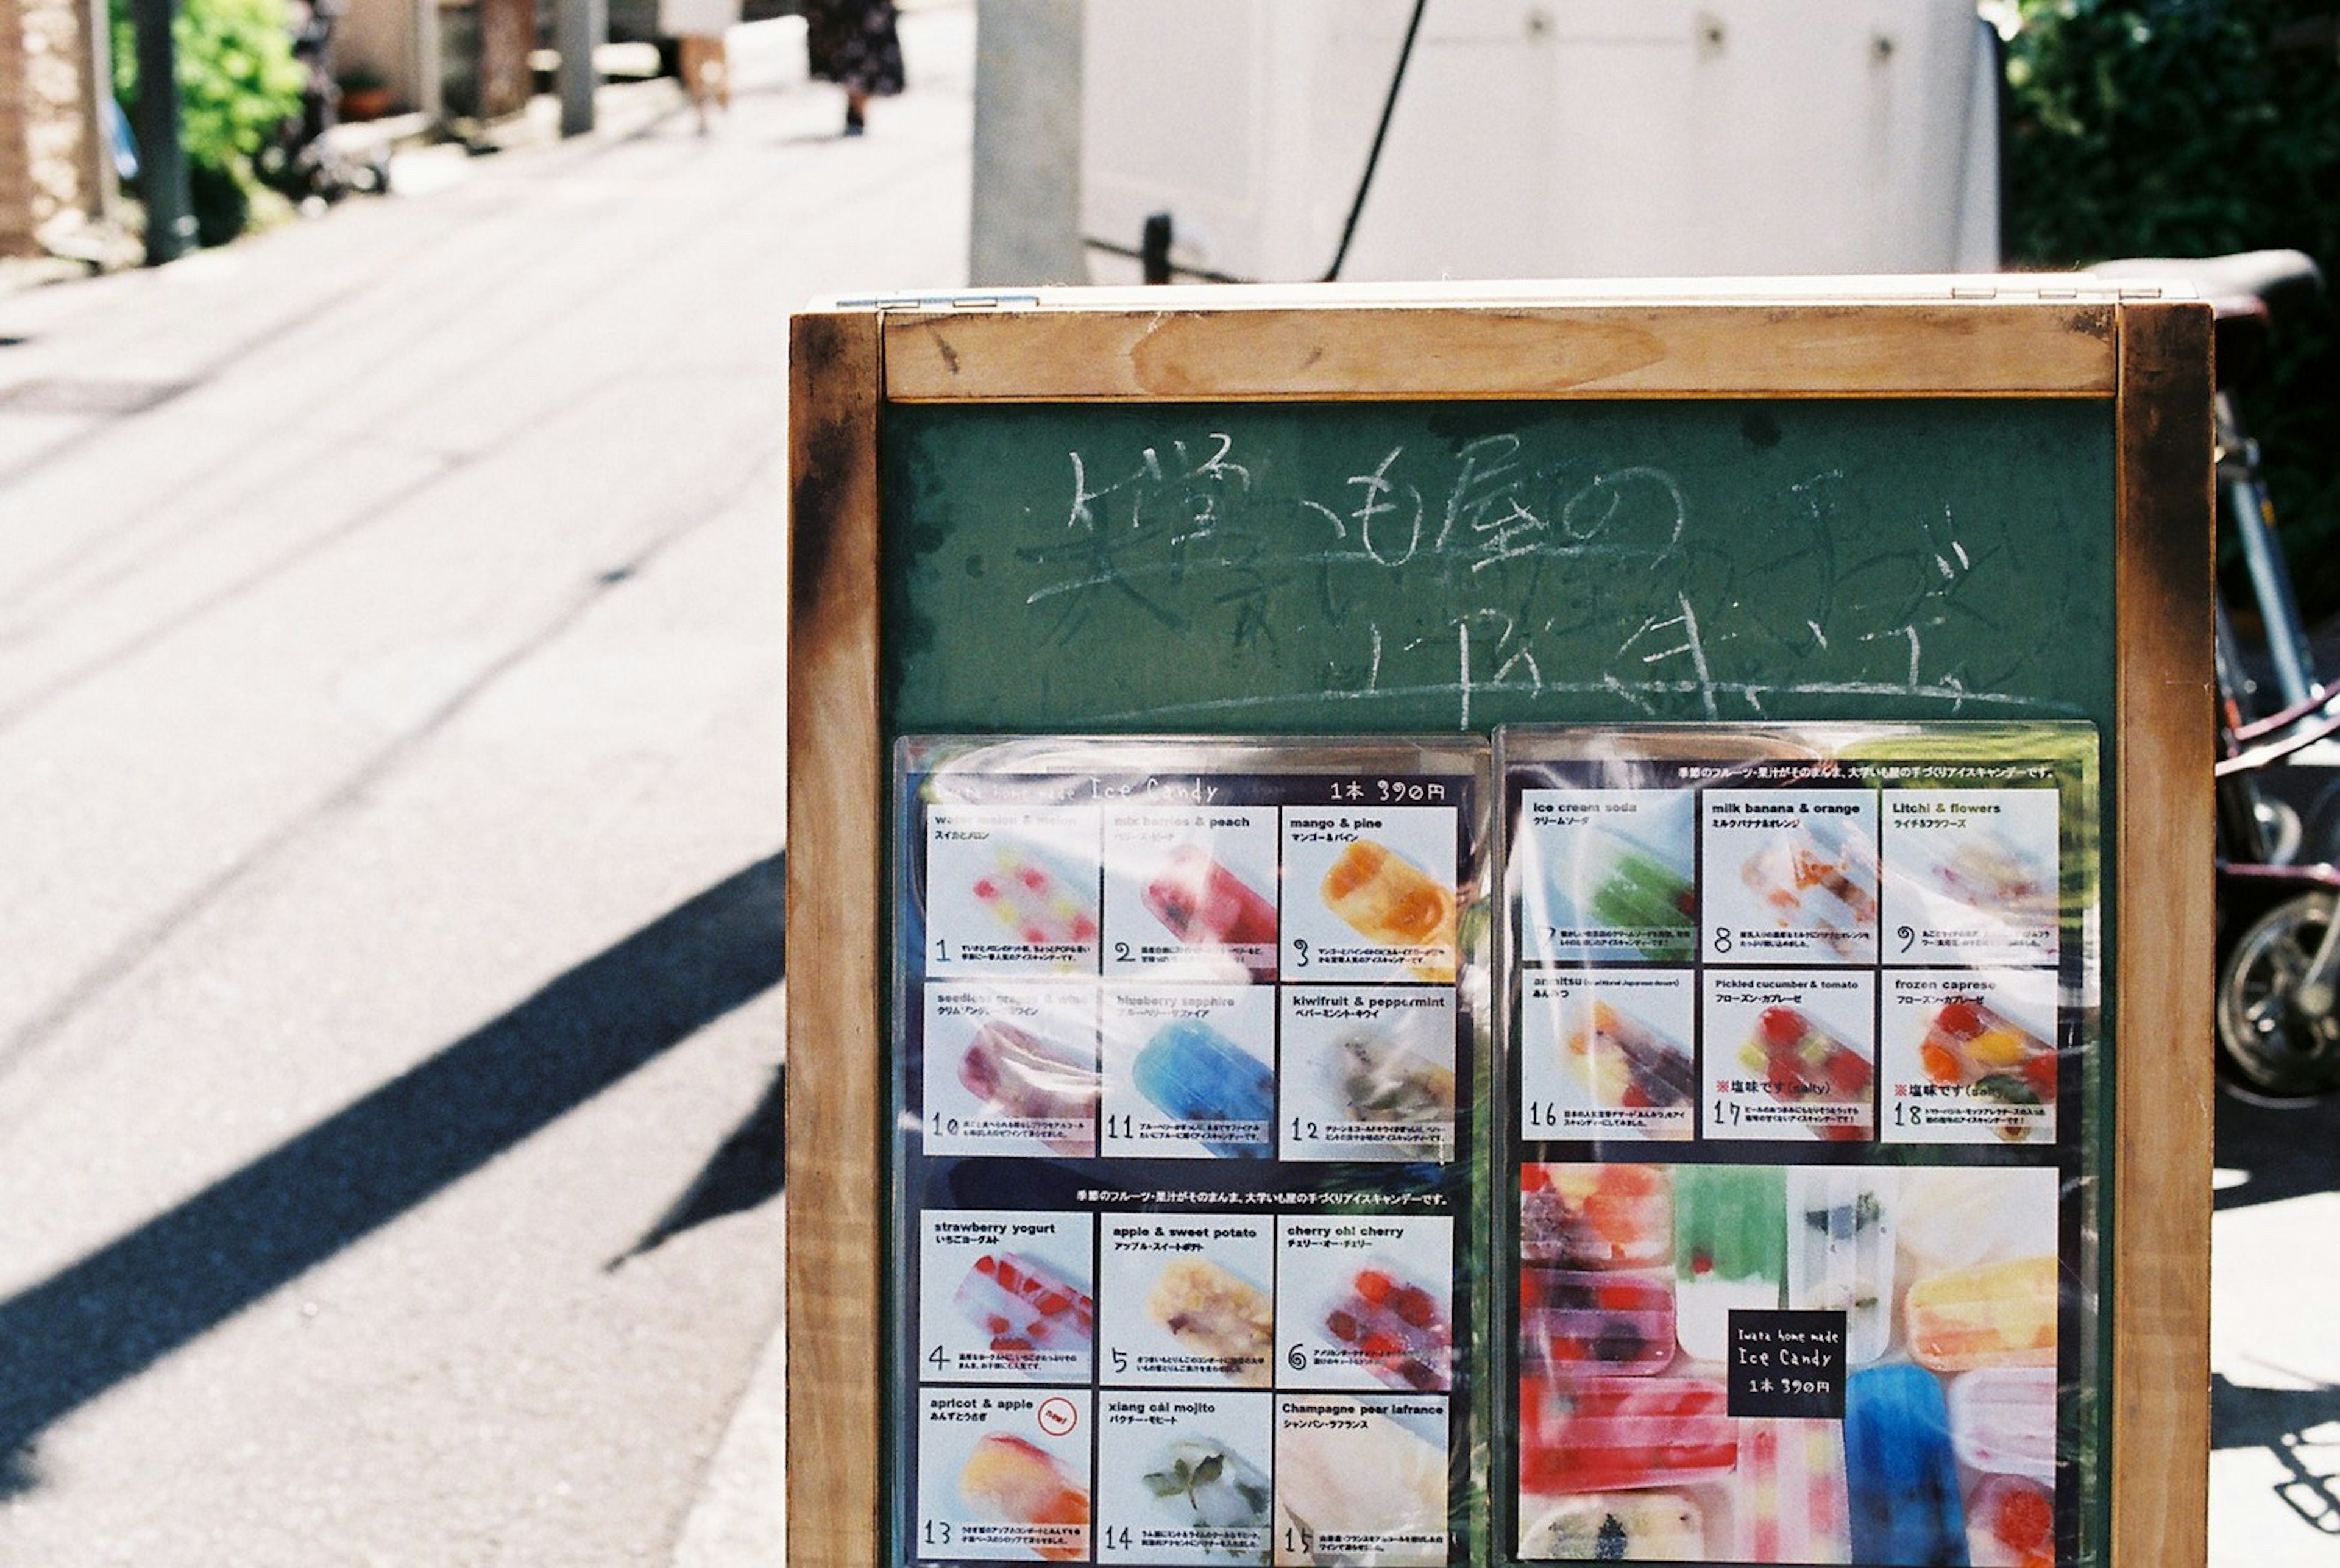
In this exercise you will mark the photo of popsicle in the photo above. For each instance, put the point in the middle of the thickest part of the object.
(1398, 1326)
(2011, 1523)
(1651, 902)
(1901, 1477)
(1628, 1064)
(1196, 1074)
(1993, 1315)
(1018, 1074)
(1788, 1502)
(1391, 902)
(1012, 1481)
(1986, 872)
(1829, 890)
(1205, 905)
(1386, 1081)
(1596, 1215)
(1622, 1434)
(2003, 1420)
(1970, 1043)
(1041, 907)
(1203, 1484)
(1214, 1313)
(1617, 1527)
(1730, 1250)
(1840, 1251)
(1594, 1323)
(1951, 1216)
(1344, 1469)
(1026, 1307)
(1804, 1064)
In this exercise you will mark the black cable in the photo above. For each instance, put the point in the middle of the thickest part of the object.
(1380, 134)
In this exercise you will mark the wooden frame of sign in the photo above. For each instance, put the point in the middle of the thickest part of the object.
(2147, 356)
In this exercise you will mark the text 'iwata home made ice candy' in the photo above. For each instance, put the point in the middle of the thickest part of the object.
(1198, 1075)
(1840, 1250)
(1619, 1433)
(1616, 1527)
(1900, 1472)
(1391, 902)
(1025, 1307)
(1396, 1328)
(1730, 1250)
(1596, 1215)
(1205, 905)
(1020, 1075)
(1215, 1314)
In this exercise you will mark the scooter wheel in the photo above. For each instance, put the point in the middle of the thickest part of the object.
(2265, 1041)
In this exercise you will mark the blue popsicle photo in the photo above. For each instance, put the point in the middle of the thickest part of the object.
(1196, 1074)
(1901, 1472)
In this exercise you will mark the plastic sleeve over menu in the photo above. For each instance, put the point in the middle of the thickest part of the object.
(1795, 1128)
(1189, 1175)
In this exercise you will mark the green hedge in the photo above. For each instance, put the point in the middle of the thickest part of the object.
(238, 83)
(2194, 127)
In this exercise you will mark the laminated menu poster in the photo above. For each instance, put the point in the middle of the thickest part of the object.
(1797, 1139)
(1189, 1171)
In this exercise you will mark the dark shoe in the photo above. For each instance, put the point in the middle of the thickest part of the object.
(853, 122)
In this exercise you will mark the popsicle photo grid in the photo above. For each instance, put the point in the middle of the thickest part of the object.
(1637, 1282)
(1187, 1080)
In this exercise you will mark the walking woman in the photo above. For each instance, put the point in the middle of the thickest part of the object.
(852, 43)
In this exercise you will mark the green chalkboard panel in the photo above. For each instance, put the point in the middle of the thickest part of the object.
(1385, 567)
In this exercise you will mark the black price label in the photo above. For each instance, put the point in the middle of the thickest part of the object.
(1787, 1364)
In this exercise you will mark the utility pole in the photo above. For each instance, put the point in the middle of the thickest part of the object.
(162, 160)
(577, 28)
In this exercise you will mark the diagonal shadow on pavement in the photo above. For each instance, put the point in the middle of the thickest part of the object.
(101, 1321)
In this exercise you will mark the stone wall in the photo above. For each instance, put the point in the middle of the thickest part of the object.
(50, 148)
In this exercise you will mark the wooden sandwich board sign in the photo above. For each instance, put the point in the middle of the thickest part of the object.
(1808, 682)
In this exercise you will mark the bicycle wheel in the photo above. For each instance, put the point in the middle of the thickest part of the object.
(2264, 1039)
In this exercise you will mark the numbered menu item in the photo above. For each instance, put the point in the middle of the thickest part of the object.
(1184, 1478)
(1608, 1053)
(1191, 891)
(1790, 1053)
(1361, 1480)
(1608, 875)
(1369, 897)
(1974, 876)
(1369, 1073)
(1012, 888)
(1969, 1056)
(1190, 1071)
(1004, 1477)
(1789, 875)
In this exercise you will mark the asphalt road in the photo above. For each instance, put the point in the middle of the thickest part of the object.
(390, 818)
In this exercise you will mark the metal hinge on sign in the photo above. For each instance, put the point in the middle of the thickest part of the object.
(2078, 291)
(956, 302)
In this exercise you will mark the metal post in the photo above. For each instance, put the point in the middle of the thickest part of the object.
(578, 28)
(162, 162)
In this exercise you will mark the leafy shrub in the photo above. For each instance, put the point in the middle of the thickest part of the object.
(2193, 127)
(238, 83)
